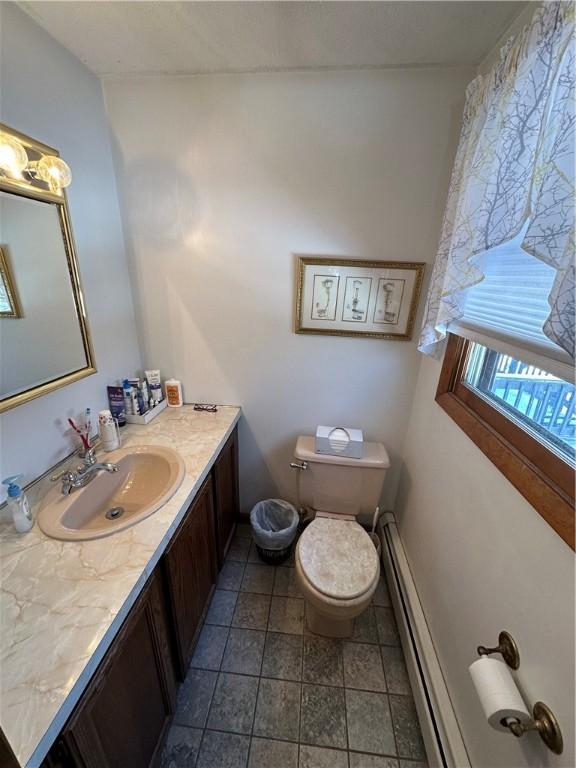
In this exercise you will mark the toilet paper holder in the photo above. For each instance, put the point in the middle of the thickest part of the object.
(543, 721)
(506, 647)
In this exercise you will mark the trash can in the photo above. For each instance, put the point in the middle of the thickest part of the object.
(274, 525)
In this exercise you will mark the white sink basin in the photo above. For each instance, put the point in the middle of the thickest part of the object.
(147, 476)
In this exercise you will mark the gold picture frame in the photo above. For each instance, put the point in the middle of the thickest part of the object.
(354, 297)
(9, 303)
(39, 190)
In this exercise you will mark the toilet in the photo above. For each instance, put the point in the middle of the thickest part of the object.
(337, 567)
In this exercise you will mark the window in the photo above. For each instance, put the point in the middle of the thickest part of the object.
(538, 401)
(522, 417)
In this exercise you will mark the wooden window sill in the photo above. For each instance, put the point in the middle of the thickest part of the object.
(542, 477)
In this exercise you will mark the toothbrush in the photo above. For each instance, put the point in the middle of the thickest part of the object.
(87, 424)
(76, 428)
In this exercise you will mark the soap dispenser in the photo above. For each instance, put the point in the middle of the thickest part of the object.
(18, 505)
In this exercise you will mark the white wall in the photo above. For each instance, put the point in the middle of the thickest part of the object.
(483, 561)
(222, 179)
(48, 94)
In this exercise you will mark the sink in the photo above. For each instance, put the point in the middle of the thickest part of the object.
(147, 476)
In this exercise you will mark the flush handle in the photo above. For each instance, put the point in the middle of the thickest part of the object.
(299, 464)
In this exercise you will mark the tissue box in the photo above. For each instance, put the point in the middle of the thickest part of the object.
(339, 441)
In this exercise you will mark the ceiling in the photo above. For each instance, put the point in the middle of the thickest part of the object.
(120, 38)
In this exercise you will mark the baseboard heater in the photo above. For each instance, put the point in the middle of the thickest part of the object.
(441, 734)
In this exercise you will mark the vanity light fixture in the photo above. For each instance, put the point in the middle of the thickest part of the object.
(15, 162)
(13, 156)
(53, 170)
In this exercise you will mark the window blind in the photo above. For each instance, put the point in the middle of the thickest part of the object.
(510, 307)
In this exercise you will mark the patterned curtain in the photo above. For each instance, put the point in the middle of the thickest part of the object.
(515, 163)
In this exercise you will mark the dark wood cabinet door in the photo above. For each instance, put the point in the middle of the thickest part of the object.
(226, 493)
(189, 565)
(123, 713)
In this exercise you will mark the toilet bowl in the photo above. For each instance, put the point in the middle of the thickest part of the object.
(337, 566)
(337, 570)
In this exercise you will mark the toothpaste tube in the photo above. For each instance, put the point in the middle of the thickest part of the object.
(154, 384)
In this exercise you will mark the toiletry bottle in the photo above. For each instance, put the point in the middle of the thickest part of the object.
(154, 385)
(127, 389)
(18, 505)
(173, 393)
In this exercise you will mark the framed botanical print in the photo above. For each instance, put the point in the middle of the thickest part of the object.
(9, 304)
(352, 297)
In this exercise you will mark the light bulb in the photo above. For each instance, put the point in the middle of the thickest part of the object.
(13, 157)
(54, 171)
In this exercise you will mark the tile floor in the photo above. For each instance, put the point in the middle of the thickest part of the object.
(262, 692)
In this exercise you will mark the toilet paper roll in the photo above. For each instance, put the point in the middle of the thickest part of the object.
(497, 691)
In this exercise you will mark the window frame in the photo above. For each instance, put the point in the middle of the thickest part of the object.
(544, 479)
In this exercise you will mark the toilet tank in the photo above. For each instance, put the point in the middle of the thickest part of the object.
(340, 484)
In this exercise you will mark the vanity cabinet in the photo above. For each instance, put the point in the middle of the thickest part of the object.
(123, 713)
(189, 566)
(226, 494)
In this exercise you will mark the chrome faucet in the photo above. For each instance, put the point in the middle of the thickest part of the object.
(84, 473)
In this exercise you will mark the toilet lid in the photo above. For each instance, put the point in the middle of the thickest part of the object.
(338, 558)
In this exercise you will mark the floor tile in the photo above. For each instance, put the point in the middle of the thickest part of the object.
(244, 651)
(412, 764)
(258, 579)
(180, 748)
(285, 583)
(406, 728)
(260, 682)
(363, 667)
(230, 576)
(282, 656)
(251, 611)
(319, 757)
(238, 550)
(243, 531)
(253, 556)
(369, 723)
(323, 716)
(286, 615)
(395, 670)
(194, 698)
(233, 703)
(365, 630)
(358, 760)
(223, 750)
(221, 607)
(265, 753)
(210, 647)
(278, 710)
(382, 595)
(386, 623)
(322, 661)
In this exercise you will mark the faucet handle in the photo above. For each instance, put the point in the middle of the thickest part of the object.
(58, 475)
(90, 457)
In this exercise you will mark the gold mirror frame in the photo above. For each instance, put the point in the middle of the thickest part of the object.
(39, 190)
(7, 281)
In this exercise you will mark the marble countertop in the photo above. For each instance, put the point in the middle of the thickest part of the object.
(62, 602)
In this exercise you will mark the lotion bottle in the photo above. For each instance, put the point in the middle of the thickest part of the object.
(18, 505)
(173, 390)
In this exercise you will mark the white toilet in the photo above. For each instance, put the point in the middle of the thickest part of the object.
(337, 567)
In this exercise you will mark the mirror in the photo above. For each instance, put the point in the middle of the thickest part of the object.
(44, 337)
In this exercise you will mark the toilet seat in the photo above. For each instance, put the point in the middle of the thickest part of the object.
(338, 558)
